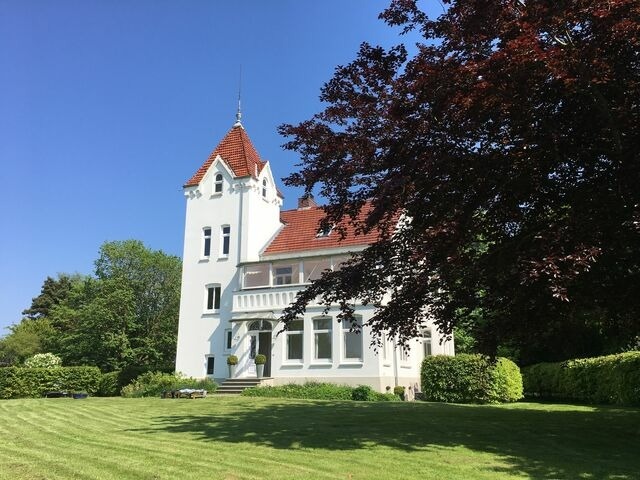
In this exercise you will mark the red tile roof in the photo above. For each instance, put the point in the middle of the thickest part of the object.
(301, 228)
(238, 153)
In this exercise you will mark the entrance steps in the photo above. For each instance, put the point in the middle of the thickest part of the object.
(235, 386)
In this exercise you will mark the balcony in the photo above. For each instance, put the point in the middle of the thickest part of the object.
(274, 298)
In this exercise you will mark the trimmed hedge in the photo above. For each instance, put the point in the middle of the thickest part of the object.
(612, 379)
(320, 391)
(22, 382)
(109, 385)
(152, 384)
(470, 379)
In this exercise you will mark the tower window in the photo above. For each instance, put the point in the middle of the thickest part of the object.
(264, 188)
(213, 297)
(226, 239)
(207, 242)
(217, 185)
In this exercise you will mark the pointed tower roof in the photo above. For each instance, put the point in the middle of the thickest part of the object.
(238, 153)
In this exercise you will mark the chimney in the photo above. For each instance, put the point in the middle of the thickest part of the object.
(305, 202)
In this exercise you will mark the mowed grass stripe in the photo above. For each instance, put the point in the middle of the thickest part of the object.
(282, 439)
(162, 453)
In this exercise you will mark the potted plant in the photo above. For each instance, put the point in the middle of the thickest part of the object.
(232, 361)
(260, 361)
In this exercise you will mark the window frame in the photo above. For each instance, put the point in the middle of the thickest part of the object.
(206, 242)
(225, 240)
(213, 297)
(218, 184)
(294, 333)
(322, 331)
(344, 331)
(265, 184)
(228, 339)
(208, 358)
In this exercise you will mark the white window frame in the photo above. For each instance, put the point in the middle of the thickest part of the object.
(225, 236)
(317, 332)
(346, 330)
(276, 275)
(228, 339)
(206, 237)
(218, 184)
(206, 365)
(293, 333)
(265, 184)
(212, 286)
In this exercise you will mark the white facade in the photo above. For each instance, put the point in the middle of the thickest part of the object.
(226, 235)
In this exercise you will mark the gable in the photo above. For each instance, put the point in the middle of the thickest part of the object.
(237, 152)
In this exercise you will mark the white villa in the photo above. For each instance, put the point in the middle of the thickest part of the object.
(244, 261)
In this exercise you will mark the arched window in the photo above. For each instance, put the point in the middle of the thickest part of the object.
(260, 325)
(426, 342)
(264, 187)
(217, 185)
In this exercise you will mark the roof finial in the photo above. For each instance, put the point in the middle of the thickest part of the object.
(239, 112)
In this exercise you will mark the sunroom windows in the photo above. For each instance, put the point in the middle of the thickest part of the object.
(289, 273)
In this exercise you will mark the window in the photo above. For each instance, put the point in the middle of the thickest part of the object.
(385, 349)
(226, 239)
(260, 325)
(210, 364)
(228, 339)
(207, 242)
(324, 232)
(264, 187)
(322, 338)
(404, 356)
(352, 339)
(295, 336)
(213, 297)
(217, 184)
(337, 261)
(426, 343)
(286, 274)
(313, 269)
(256, 275)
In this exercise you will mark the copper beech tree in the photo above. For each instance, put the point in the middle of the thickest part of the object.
(509, 142)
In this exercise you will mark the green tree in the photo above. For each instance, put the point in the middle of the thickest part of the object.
(127, 315)
(25, 339)
(509, 141)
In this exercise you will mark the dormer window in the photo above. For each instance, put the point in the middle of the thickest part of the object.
(217, 184)
(264, 188)
(324, 231)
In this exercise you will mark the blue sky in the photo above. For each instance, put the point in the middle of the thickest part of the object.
(110, 106)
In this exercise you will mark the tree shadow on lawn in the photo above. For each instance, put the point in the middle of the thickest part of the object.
(541, 442)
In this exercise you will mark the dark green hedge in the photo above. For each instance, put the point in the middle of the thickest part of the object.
(470, 379)
(613, 379)
(321, 391)
(21, 382)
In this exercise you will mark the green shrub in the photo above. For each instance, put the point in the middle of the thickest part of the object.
(109, 385)
(320, 391)
(260, 359)
(398, 391)
(152, 384)
(21, 382)
(43, 360)
(364, 393)
(232, 360)
(310, 390)
(468, 378)
(612, 379)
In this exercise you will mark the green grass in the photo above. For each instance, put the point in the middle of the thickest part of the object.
(241, 437)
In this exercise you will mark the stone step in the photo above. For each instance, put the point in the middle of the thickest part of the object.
(235, 386)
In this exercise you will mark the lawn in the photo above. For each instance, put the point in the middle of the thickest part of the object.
(239, 437)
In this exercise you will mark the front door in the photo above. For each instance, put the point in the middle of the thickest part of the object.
(259, 342)
(264, 347)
